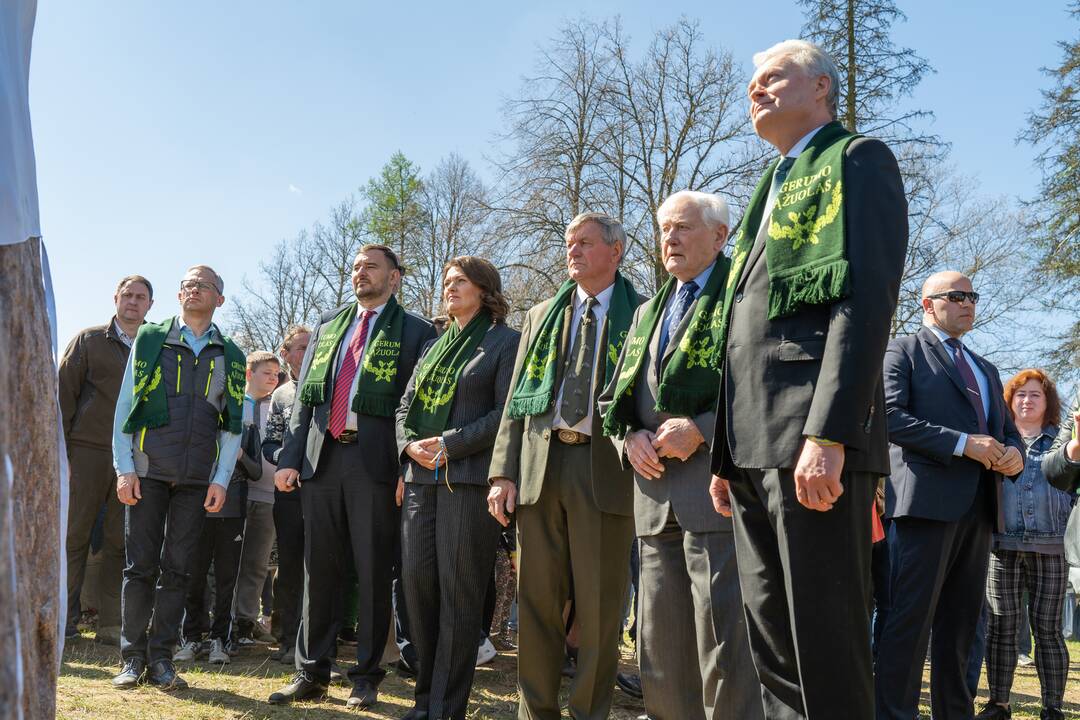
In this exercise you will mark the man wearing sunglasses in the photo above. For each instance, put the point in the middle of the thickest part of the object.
(952, 441)
(176, 437)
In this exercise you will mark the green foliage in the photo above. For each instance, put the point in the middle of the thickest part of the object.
(395, 211)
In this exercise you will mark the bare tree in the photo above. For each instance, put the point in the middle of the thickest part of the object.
(455, 211)
(334, 247)
(683, 111)
(286, 293)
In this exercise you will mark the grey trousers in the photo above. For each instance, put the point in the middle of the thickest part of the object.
(254, 560)
(566, 544)
(692, 644)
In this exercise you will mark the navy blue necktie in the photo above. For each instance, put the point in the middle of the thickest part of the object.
(683, 301)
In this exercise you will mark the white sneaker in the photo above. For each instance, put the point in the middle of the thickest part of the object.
(1025, 659)
(187, 652)
(486, 653)
(217, 652)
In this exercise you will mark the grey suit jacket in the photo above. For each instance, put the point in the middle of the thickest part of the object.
(307, 425)
(684, 485)
(475, 412)
(818, 372)
(521, 450)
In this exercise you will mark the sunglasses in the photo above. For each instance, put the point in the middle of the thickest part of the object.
(956, 296)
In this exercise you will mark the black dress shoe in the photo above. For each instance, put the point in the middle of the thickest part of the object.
(163, 674)
(301, 687)
(993, 711)
(415, 714)
(364, 695)
(131, 674)
(629, 684)
(1051, 714)
(404, 668)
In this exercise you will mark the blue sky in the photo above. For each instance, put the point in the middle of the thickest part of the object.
(169, 134)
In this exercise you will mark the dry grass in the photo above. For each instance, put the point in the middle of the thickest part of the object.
(239, 691)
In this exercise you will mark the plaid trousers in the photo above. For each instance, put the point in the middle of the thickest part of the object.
(1044, 577)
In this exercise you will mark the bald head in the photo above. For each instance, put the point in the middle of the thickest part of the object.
(954, 317)
(944, 281)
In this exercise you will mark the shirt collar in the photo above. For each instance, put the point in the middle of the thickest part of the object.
(360, 309)
(603, 298)
(211, 331)
(798, 147)
(119, 332)
(942, 335)
(701, 279)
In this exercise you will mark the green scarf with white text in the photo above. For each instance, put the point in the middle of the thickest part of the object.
(437, 376)
(534, 392)
(376, 392)
(690, 380)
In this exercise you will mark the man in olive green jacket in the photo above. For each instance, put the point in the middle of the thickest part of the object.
(574, 500)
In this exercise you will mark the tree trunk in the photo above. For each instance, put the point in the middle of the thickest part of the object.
(28, 437)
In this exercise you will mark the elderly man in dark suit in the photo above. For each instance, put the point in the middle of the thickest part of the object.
(355, 370)
(952, 439)
(692, 647)
(574, 500)
(800, 432)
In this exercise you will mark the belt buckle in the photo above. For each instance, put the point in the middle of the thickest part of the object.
(571, 437)
(347, 437)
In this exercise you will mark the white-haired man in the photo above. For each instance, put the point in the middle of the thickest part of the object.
(801, 438)
(660, 407)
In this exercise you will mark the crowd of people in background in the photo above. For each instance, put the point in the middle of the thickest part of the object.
(784, 506)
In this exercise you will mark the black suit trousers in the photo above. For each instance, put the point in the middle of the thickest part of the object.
(348, 519)
(448, 543)
(936, 588)
(289, 582)
(221, 541)
(805, 578)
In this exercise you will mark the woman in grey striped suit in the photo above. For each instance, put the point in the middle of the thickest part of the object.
(446, 427)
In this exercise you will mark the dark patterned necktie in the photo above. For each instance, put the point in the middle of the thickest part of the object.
(972, 385)
(683, 301)
(577, 386)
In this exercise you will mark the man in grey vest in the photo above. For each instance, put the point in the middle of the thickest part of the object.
(692, 644)
(180, 409)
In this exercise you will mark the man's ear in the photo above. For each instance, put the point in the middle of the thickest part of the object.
(220, 300)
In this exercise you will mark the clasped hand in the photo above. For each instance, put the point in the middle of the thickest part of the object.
(677, 438)
(994, 455)
(426, 453)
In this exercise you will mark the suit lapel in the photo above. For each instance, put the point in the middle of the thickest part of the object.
(939, 353)
(564, 346)
(758, 248)
(676, 333)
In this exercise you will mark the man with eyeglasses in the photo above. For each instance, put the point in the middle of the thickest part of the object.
(952, 439)
(176, 437)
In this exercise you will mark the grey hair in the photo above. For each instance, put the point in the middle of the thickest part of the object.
(209, 271)
(714, 209)
(812, 59)
(612, 229)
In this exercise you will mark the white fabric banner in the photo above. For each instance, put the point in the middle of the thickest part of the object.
(18, 174)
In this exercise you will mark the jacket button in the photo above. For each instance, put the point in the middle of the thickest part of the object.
(738, 297)
(547, 434)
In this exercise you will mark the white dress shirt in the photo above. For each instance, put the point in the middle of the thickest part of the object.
(603, 300)
(980, 378)
(350, 420)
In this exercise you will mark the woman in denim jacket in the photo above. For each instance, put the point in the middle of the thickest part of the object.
(1029, 556)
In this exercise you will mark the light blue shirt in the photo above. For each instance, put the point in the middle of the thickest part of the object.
(980, 378)
(124, 443)
(665, 327)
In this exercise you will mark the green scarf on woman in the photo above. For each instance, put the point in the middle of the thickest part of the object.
(437, 376)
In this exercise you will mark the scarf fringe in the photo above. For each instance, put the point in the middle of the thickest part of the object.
(150, 422)
(520, 407)
(683, 401)
(313, 394)
(809, 286)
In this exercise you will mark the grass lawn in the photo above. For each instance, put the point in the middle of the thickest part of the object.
(239, 691)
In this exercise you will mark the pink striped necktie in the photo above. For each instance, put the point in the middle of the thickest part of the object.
(342, 397)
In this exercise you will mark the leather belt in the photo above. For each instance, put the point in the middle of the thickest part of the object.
(347, 437)
(572, 437)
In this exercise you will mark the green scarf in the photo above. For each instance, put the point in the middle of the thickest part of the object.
(150, 407)
(690, 381)
(437, 376)
(535, 389)
(376, 393)
(805, 250)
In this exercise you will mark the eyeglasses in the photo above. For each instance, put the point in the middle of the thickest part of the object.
(190, 286)
(956, 296)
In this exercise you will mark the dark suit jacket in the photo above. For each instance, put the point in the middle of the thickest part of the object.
(307, 425)
(818, 372)
(475, 412)
(684, 485)
(927, 407)
(521, 450)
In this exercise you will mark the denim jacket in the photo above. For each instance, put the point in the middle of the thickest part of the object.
(1035, 511)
